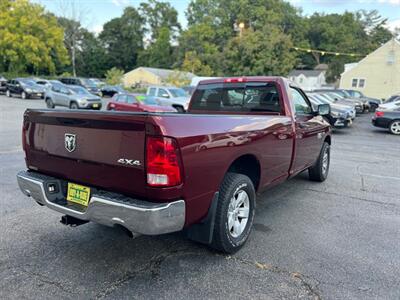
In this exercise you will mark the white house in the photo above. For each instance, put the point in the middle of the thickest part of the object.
(308, 80)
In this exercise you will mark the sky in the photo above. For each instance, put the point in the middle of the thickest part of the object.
(98, 12)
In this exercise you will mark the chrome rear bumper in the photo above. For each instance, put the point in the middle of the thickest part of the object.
(107, 208)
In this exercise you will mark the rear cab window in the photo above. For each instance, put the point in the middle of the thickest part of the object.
(249, 97)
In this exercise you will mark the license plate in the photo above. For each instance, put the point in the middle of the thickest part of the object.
(78, 194)
(95, 105)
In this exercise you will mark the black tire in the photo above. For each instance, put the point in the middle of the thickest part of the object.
(373, 107)
(393, 127)
(223, 238)
(49, 103)
(319, 172)
(73, 105)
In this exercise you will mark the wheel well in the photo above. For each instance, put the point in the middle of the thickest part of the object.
(247, 165)
(328, 140)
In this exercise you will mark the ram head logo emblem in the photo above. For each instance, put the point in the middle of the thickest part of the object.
(70, 142)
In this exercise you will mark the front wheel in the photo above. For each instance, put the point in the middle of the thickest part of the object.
(24, 95)
(319, 172)
(73, 105)
(49, 103)
(394, 127)
(235, 213)
(8, 93)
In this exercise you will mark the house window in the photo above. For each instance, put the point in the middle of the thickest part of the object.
(390, 58)
(358, 82)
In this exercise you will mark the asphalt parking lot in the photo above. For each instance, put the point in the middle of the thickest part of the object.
(335, 240)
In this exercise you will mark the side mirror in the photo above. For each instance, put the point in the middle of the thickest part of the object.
(324, 109)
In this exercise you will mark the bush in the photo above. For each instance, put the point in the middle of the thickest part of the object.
(114, 76)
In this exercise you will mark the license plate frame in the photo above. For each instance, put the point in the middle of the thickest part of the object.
(78, 194)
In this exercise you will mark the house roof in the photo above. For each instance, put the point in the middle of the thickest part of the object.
(306, 73)
(165, 73)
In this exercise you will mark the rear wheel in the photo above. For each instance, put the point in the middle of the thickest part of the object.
(8, 93)
(319, 172)
(73, 105)
(49, 103)
(394, 127)
(373, 107)
(24, 95)
(235, 213)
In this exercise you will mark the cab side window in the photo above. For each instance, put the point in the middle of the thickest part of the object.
(121, 98)
(300, 104)
(130, 99)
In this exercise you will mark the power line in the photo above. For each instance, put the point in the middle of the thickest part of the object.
(323, 52)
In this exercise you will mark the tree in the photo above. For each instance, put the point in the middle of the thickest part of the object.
(178, 78)
(261, 52)
(123, 39)
(159, 15)
(31, 39)
(159, 53)
(192, 63)
(114, 76)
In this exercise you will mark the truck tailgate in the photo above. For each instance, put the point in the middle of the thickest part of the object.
(99, 149)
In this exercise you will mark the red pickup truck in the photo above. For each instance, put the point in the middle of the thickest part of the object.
(199, 171)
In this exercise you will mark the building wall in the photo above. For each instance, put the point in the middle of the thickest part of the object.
(381, 78)
(141, 76)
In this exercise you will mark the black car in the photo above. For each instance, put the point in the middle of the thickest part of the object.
(84, 82)
(111, 90)
(3, 84)
(389, 119)
(26, 88)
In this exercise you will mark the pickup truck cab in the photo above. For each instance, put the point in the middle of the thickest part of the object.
(155, 173)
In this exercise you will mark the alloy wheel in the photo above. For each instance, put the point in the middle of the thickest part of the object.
(238, 213)
(395, 127)
(325, 161)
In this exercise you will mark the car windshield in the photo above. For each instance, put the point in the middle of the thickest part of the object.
(89, 82)
(148, 100)
(28, 82)
(178, 93)
(79, 90)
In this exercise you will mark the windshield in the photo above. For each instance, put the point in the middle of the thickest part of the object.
(178, 93)
(28, 82)
(148, 100)
(89, 82)
(79, 90)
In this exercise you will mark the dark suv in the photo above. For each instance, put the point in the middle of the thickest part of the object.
(24, 87)
(84, 82)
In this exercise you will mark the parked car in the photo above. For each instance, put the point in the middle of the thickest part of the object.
(3, 84)
(170, 96)
(393, 98)
(147, 172)
(83, 82)
(339, 116)
(373, 102)
(334, 98)
(362, 105)
(26, 88)
(390, 105)
(72, 96)
(137, 102)
(389, 119)
(111, 90)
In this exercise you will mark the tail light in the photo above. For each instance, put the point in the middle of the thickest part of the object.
(163, 162)
(24, 130)
(379, 114)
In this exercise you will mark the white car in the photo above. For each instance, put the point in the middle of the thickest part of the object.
(390, 105)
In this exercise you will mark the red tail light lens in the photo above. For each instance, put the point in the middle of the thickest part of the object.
(379, 114)
(163, 162)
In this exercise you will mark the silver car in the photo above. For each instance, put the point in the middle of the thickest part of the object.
(73, 97)
(170, 96)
